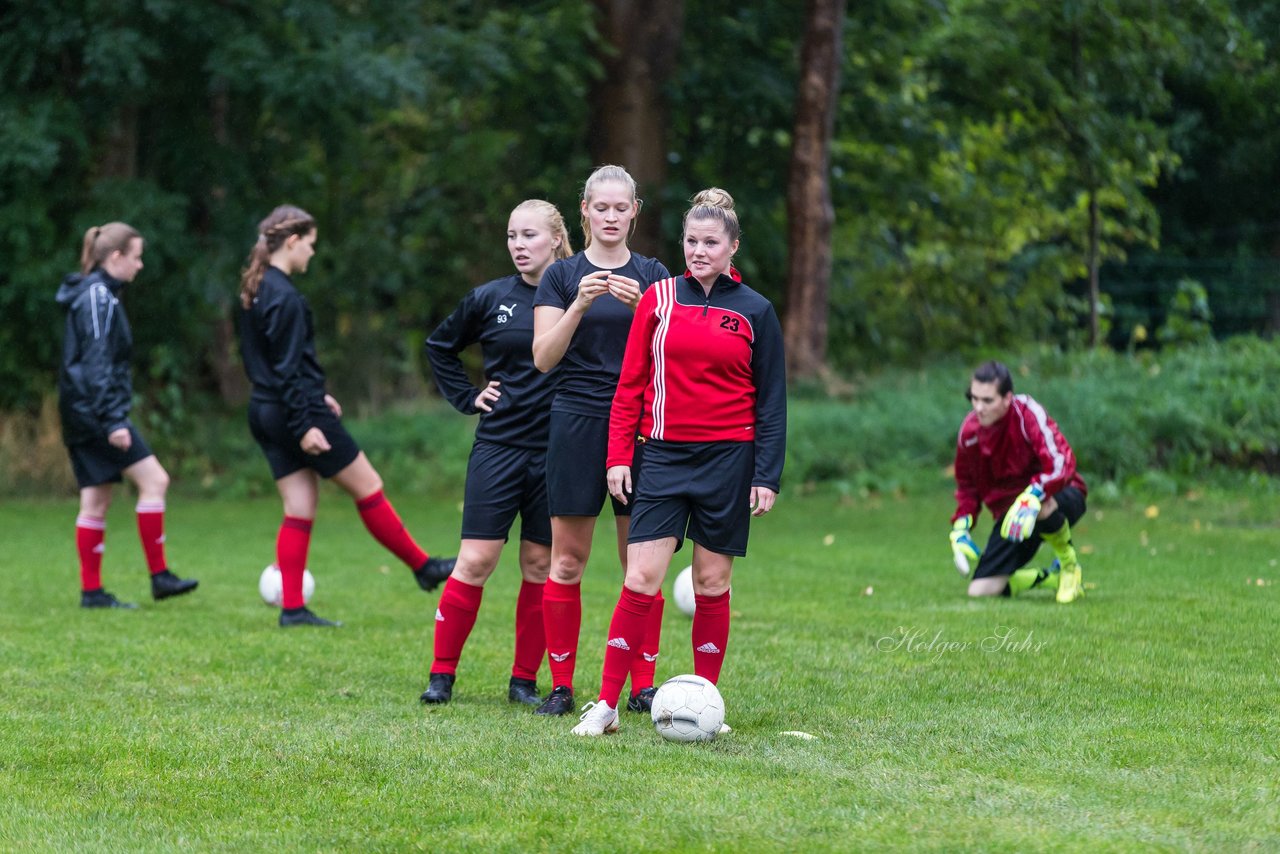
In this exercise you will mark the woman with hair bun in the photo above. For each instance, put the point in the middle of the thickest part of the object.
(95, 394)
(704, 386)
(584, 308)
(297, 423)
(507, 470)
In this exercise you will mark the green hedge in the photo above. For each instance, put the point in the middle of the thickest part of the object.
(1150, 422)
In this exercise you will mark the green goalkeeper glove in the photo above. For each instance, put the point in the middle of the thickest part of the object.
(963, 548)
(1020, 521)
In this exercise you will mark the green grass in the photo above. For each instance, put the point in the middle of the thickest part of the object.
(1144, 716)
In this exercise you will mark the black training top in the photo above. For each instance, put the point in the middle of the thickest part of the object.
(278, 348)
(499, 315)
(593, 361)
(95, 391)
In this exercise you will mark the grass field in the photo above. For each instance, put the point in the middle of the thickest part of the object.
(1142, 717)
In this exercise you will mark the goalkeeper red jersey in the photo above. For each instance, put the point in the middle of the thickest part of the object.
(703, 367)
(995, 464)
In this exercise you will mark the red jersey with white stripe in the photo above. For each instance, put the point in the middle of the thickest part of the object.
(703, 367)
(995, 464)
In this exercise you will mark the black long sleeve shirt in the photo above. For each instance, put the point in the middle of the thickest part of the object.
(499, 316)
(278, 348)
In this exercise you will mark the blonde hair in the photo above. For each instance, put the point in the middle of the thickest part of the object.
(281, 224)
(101, 240)
(555, 224)
(600, 176)
(714, 203)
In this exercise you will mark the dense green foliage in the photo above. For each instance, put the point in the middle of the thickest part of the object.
(967, 136)
(1134, 719)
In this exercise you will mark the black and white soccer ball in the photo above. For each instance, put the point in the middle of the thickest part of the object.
(688, 708)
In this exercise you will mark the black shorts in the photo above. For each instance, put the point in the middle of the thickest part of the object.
(97, 461)
(576, 455)
(699, 488)
(269, 423)
(501, 482)
(1003, 557)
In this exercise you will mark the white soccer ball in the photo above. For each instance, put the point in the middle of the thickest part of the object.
(682, 591)
(271, 588)
(687, 708)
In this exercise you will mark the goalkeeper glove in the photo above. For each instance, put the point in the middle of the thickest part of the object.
(1020, 521)
(963, 548)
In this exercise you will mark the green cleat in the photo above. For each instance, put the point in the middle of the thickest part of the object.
(1070, 583)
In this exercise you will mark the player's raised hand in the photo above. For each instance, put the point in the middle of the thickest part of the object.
(1020, 521)
(591, 286)
(625, 290)
(963, 549)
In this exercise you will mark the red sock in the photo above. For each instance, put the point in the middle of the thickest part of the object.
(384, 523)
(562, 619)
(151, 532)
(531, 635)
(291, 556)
(455, 616)
(710, 634)
(644, 664)
(626, 634)
(90, 532)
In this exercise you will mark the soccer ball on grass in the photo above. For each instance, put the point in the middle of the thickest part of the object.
(271, 588)
(688, 708)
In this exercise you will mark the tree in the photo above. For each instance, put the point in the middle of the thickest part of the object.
(629, 116)
(809, 210)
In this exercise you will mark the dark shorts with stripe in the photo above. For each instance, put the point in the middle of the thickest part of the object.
(501, 482)
(269, 423)
(576, 455)
(698, 489)
(1002, 557)
(98, 461)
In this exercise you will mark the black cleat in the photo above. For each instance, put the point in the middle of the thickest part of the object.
(558, 702)
(524, 691)
(642, 700)
(165, 584)
(435, 570)
(439, 689)
(303, 617)
(102, 599)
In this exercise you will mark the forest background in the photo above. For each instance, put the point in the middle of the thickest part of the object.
(918, 179)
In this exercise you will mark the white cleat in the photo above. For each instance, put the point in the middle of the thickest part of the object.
(724, 728)
(597, 719)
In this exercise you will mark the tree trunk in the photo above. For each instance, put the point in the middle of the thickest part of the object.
(1095, 294)
(628, 111)
(809, 210)
(120, 147)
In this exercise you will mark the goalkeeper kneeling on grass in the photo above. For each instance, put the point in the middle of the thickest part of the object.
(1011, 457)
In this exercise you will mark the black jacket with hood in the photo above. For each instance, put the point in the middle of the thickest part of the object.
(95, 390)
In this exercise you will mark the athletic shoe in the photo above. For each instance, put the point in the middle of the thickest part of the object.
(1070, 583)
(435, 570)
(303, 617)
(102, 599)
(558, 702)
(524, 691)
(724, 728)
(642, 700)
(597, 719)
(165, 584)
(439, 689)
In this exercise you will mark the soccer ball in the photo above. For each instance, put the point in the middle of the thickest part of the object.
(272, 591)
(682, 591)
(687, 708)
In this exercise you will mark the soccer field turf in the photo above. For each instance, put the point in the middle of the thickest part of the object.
(1142, 716)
